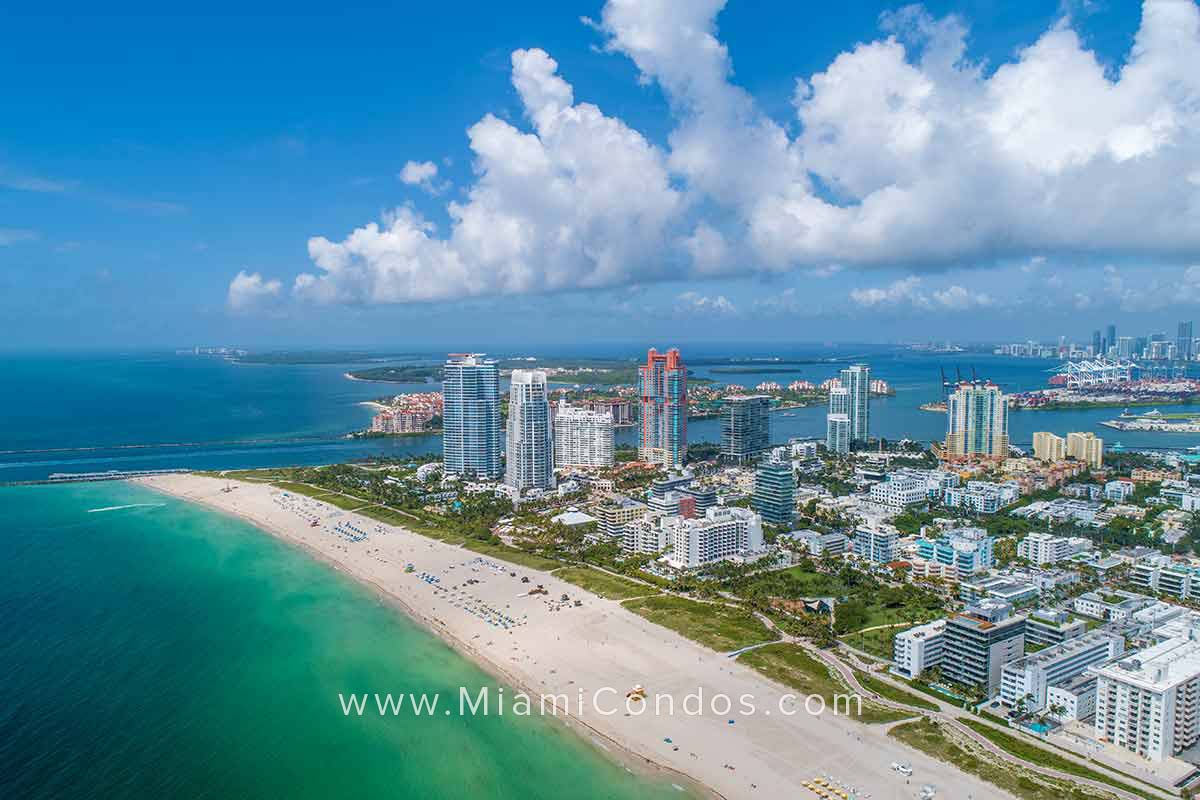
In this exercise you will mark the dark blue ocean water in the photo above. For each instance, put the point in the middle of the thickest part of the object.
(88, 412)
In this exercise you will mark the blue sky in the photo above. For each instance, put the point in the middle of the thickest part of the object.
(593, 187)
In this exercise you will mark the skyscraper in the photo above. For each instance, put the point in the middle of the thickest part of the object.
(977, 420)
(857, 381)
(530, 442)
(745, 427)
(471, 416)
(1110, 338)
(837, 433)
(662, 391)
(1097, 343)
(1183, 342)
(775, 492)
(837, 421)
(582, 437)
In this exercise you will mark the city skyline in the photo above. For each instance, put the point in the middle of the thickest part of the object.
(280, 210)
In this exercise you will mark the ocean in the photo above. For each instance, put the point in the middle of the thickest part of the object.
(156, 649)
(91, 413)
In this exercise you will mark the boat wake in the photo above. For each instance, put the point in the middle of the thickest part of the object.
(121, 508)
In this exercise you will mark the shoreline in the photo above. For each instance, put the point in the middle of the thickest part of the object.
(597, 644)
(610, 748)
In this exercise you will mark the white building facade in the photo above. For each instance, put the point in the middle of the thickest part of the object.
(530, 437)
(582, 438)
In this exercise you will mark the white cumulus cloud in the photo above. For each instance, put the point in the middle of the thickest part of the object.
(907, 152)
(249, 289)
(420, 173)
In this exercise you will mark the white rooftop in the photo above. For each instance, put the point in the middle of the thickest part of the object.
(1157, 668)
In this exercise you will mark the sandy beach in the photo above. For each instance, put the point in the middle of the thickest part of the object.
(543, 645)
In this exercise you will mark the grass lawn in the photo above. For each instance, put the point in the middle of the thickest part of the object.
(257, 475)
(893, 693)
(603, 584)
(343, 501)
(511, 555)
(299, 488)
(1039, 755)
(877, 643)
(713, 625)
(790, 665)
(931, 739)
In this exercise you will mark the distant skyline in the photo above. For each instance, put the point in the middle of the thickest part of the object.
(603, 172)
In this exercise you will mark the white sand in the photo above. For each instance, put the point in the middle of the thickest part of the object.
(597, 645)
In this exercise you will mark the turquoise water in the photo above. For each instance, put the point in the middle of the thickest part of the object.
(88, 413)
(168, 651)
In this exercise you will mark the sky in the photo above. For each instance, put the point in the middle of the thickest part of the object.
(484, 174)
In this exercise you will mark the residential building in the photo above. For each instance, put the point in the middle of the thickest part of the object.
(1183, 342)
(1157, 574)
(968, 549)
(1046, 548)
(1060, 509)
(582, 437)
(918, 649)
(620, 409)
(979, 642)
(529, 452)
(898, 491)
(875, 545)
(775, 492)
(662, 393)
(1048, 447)
(820, 544)
(1118, 491)
(616, 512)
(803, 449)
(998, 588)
(471, 439)
(837, 433)
(1074, 699)
(1049, 627)
(723, 533)
(745, 427)
(856, 380)
(1149, 702)
(977, 421)
(700, 497)
(1086, 447)
(982, 497)
(1116, 606)
(921, 568)
(1028, 678)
